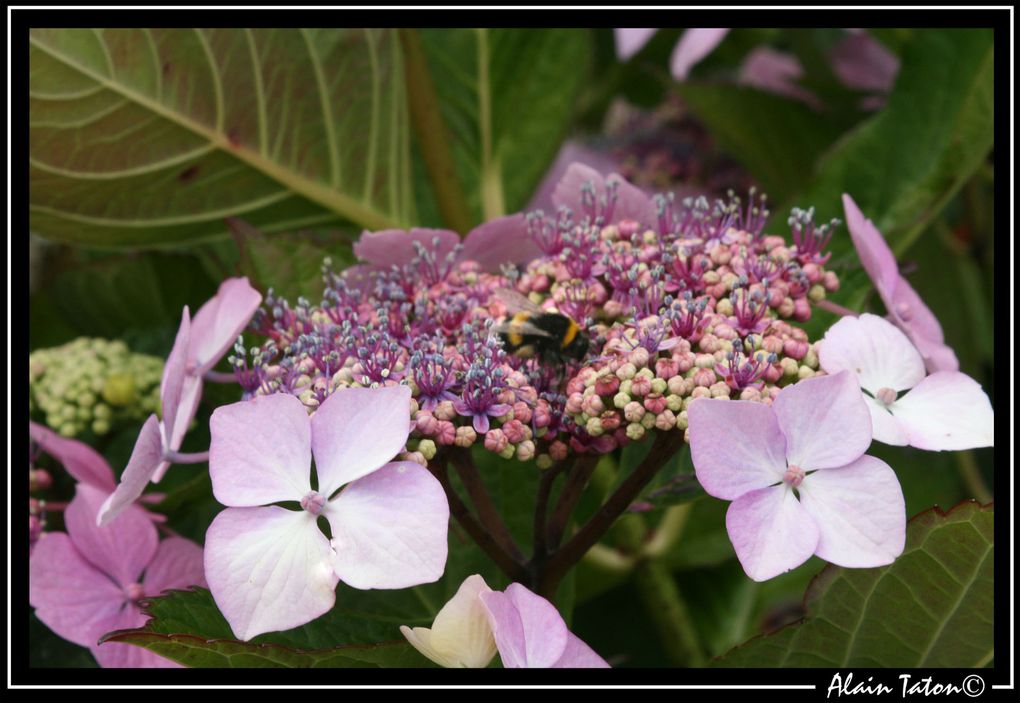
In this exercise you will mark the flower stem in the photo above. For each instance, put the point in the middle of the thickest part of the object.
(541, 532)
(971, 475)
(432, 137)
(577, 479)
(220, 377)
(488, 514)
(513, 568)
(183, 458)
(666, 607)
(836, 308)
(560, 562)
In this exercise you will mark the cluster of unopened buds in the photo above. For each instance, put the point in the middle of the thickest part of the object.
(92, 385)
(679, 301)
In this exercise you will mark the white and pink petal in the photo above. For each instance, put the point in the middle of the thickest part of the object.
(529, 631)
(947, 411)
(356, 431)
(218, 323)
(145, 459)
(736, 446)
(268, 569)
(771, 532)
(873, 349)
(260, 451)
(390, 528)
(825, 421)
(859, 511)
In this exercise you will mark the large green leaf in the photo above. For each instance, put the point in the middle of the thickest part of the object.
(146, 137)
(362, 630)
(506, 97)
(933, 607)
(904, 164)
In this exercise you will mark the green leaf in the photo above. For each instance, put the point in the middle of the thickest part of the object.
(905, 163)
(776, 139)
(291, 265)
(933, 607)
(146, 137)
(187, 627)
(507, 97)
(136, 297)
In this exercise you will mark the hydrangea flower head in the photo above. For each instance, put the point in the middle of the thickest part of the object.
(88, 582)
(798, 477)
(271, 568)
(946, 410)
(905, 307)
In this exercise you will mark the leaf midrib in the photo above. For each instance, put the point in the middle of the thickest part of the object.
(335, 201)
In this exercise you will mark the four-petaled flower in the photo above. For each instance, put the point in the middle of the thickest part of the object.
(946, 410)
(525, 628)
(905, 307)
(87, 583)
(199, 345)
(809, 444)
(270, 568)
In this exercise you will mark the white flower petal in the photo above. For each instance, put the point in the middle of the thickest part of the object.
(875, 350)
(770, 531)
(860, 513)
(390, 528)
(461, 629)
(268, 569)
(947, 411)
(884, 427)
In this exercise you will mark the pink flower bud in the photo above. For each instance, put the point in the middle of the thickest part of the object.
(558, 450)
(704, 377)
(522, 412)
(574, 403)
(496, 441)
(795, 349)
(801, 309)
(541, 417)
(655, 403)
(607, 385)
(427, 423)
(592, 405)
(446, 432)
(665, 421)
(667, 368)
(515, 432)
(638, 357)
(609, 420)
(640, 385)
(634, 411)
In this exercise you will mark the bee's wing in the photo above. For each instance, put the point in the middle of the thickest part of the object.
(515, 302)
(520, 327)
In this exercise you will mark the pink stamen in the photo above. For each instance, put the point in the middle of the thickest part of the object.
(886, 396)
(134, 591)
(794, 476)
(313, 502)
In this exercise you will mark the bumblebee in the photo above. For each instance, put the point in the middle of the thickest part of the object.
(533, 332)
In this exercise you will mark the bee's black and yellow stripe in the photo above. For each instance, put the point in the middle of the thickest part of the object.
(550, 335)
